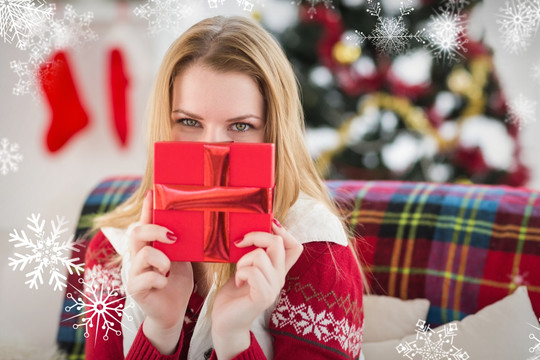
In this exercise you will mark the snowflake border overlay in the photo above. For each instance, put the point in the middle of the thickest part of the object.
(46, 252)
(519, 21)
(19, 19)
(535, 70)
(105, 277)
(164, 15)
(312, 11)
(535, 349)
(433, 345)
(390, 35)
(521, 111)
(96, 308)
(168, 15)
(9, 156)
(72, 30)
(324, 325)
(446, 32)
(246, 5)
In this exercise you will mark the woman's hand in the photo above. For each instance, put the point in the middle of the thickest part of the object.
(260, 275)
(161, 288)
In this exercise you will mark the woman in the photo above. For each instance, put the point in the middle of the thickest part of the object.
(300, 293)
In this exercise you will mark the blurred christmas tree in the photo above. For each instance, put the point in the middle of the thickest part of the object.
(397, 90)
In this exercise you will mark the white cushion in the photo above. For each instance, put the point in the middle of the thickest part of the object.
(387, 317)
(499, 331)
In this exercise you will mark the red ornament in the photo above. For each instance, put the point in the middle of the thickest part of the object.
(471, 159)
(333, 28)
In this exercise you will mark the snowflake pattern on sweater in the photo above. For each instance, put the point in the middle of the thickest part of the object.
(321, 304)
(323, 325)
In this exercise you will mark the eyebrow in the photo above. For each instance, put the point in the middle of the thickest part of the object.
(187, 113)
(198, 117)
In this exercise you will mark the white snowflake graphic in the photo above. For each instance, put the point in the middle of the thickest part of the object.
(101, 306)
(215, 3)
(432, 345)
(535, 349)
(164, 15)
(312, 4)
(9, 156)
(45, 252)
(27, 73)
(446, 31)
(246, 5)
(535, 14)
(522, 111)
(21, 18)
(519, 278)
(390, 35)
(38, 46)
(106, 277)
(535, 70)
(324, 326)
(71, 30)
(519, 21)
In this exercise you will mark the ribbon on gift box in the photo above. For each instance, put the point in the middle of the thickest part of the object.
(216, 199)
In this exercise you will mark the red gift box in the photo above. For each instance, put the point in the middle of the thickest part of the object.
(211, 195)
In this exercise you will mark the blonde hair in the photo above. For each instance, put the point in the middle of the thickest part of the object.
(235, 44)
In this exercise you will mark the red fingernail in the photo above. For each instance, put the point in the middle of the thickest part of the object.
(238, 241)
(168, 273)
(171, 236)
(277, 223)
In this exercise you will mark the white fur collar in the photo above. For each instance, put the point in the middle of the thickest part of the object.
(309, 220)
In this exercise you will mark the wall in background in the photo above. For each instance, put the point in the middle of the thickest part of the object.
(515, 72)
(57, 184)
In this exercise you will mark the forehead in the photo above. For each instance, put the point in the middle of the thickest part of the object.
(199, 85)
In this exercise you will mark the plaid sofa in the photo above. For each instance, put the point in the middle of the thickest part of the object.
(460, 246)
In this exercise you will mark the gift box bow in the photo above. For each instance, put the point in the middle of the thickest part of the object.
(217, 180)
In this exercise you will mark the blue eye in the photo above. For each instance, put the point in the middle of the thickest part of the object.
(241, 127)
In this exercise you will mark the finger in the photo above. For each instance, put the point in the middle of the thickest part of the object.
(259, 258)
(146, 213)
(142, 235)
(259, 289)
(149, 258)
(145, 282)
(293, 248)
(273, 244)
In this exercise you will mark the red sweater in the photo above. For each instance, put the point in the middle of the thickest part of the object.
(318, 314)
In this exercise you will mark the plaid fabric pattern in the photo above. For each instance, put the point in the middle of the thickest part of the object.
(105, 197)
(463, 247)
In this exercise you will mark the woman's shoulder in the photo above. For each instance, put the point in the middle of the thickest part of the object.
(329, 265)
(309, 220)
(327, 258)
(99, 250)
(108, 242)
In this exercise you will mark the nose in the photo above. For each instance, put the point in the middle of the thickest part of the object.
(215, 134)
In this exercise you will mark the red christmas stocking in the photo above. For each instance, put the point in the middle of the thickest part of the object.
(68, 115)
(118, 82)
